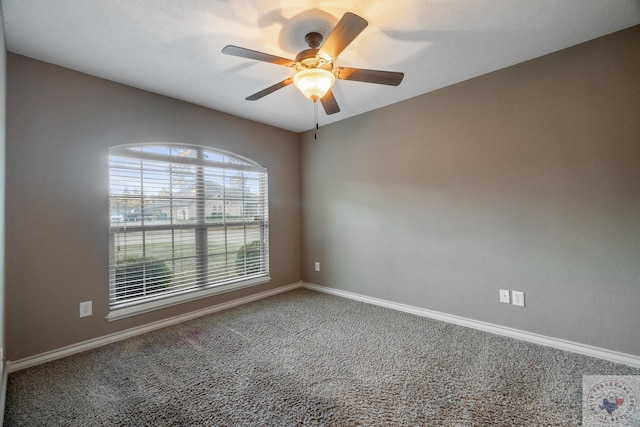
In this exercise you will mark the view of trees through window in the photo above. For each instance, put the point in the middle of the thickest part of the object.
(183, 218)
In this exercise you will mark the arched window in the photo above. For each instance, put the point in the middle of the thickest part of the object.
(185, 222)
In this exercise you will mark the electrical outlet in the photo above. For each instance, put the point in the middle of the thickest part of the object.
(504, 296)
(85, 309)
(518, 298)
(317, 266)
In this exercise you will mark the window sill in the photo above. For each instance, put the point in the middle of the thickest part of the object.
(124, 312)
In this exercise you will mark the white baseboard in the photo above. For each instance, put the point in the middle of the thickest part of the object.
(600, 353)
(12, 366)
(610, 355)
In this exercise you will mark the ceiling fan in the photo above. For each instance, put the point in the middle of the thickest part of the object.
(315, 74)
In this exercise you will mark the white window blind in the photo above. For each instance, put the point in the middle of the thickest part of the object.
(183, 219)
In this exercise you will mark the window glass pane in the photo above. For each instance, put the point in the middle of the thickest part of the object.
(250, 254)
(235, 161)
(158, 149)
(156, 178)
(184, 211)
(216, 241)
(217, 250)
(235, 238)
(127, 176)
(214, 157)
(187, 152)
(140, 278)
(184, 273)
(183, 179)
(170, 244)
(128, 245)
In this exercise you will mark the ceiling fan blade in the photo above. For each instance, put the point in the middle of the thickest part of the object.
(270, 89)
(258, 56)
(391, 78)
(345, 31)
(329, 103)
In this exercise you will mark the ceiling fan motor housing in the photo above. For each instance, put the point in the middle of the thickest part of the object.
(309, 58)
(313, 39)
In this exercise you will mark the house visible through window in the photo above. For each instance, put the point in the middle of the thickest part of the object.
(185, 221)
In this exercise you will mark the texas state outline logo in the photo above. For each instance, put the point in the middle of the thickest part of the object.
(610, 401)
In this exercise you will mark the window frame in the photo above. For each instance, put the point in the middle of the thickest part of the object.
(201, 287)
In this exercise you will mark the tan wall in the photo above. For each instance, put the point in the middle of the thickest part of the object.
(527, 178)
(60, 125)
(3, 127)
(524, 179)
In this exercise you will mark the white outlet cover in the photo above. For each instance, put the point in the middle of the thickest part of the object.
(317, 266)
(504, 296)
(85, 309)
(518, 298)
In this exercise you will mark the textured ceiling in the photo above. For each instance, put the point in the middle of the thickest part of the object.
(173, 47)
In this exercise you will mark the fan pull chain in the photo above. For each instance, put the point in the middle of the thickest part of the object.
(315, 115)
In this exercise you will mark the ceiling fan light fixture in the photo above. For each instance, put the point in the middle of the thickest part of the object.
(314, 83)
(315, 74)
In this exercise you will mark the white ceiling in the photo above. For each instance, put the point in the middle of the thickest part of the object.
(173, 47)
